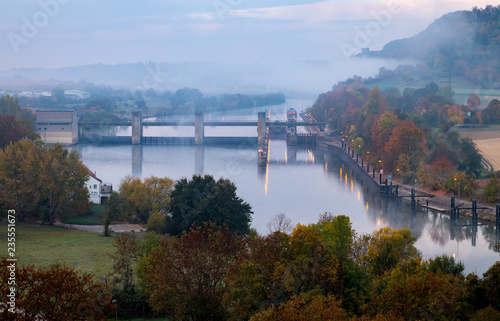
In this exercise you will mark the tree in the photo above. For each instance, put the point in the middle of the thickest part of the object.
(491, 115)
(305, 307)
(471, 162)
(202, 199)
(10, 131)
(57, 292)
(473, 101)
(20, 176)
(254, 285)
(375, 103)
(492, 191)
(62, 188)
(143, 198)
(420, 296)
(115, 208)
(382, 129)
(280, 223)
(491, 283)
(10, 107)
(445, 264)
(186, 275)
(388, 248)
(58, 95)
(123, 261)
(406, 138)
(352, 281)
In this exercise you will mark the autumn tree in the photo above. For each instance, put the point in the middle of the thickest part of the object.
(202, 199)
(491, 115)
(254, 285)
(413, 294)
(352, 281)
(492, 191)
(186, 275)
(473, 101)
(123, 260)
(452, 114)
(375, 103)
(306, 263)
(20, 176)
(388, 248)
(305, 307)
(62, 189)
(406, 138)
(57, 292)
(10, 131)
(144, 198)
(382, 129)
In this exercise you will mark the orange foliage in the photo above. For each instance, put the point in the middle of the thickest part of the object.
(54, 293)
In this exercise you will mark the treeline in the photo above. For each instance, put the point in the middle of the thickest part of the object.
(408, 134)
(322, 271)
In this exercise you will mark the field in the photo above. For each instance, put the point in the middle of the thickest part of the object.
(462, 87)
(45, 245)
(488, 142)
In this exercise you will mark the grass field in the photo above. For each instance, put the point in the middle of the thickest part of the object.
(488, 142)
(45, 245)
(96, 217)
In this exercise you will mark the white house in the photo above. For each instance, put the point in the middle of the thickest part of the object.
(98, 191)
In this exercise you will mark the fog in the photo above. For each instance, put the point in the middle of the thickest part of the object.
(297, 47)
(299, 79)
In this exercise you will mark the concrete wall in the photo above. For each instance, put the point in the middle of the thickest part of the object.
(57, 126)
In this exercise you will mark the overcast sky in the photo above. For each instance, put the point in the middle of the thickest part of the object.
(59, 33)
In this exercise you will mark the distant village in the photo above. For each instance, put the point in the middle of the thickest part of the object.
(73, 94)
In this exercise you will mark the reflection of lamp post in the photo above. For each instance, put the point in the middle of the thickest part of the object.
(458, 188)
(116, 308)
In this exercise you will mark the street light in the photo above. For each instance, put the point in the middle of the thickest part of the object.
(116, 308)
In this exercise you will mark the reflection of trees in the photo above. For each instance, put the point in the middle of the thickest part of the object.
(491, 236)
(441, 227)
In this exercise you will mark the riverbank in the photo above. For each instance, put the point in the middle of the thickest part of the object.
(425, 199)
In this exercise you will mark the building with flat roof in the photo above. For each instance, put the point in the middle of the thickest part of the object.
(57, 126)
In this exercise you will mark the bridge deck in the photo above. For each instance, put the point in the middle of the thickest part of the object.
(207, 123)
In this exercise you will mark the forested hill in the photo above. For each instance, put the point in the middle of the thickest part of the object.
(467, 42)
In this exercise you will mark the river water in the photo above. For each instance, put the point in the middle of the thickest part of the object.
(300, 182)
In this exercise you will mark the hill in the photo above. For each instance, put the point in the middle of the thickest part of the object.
(465, 42)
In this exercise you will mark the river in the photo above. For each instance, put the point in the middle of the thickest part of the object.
(300, 182)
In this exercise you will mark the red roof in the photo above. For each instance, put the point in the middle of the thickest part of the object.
(92, 174)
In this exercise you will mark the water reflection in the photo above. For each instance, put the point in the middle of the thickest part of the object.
(199, 160)
(137, 159)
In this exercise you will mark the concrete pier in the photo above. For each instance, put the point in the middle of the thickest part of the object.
(199, 128)
(261, 128)
(136, 128)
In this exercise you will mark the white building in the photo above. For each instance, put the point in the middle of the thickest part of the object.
(76, 94)
(98, 191)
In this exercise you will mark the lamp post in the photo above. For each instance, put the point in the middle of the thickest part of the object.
(116, 308)
(458, 189)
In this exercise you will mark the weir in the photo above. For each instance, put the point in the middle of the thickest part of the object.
(199, 124)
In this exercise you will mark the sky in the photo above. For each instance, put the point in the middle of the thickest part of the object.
(63, 33)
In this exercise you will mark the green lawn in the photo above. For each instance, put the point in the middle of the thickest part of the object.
(96, 217)
(45, 245)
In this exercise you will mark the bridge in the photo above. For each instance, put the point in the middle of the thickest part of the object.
(137, 124)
